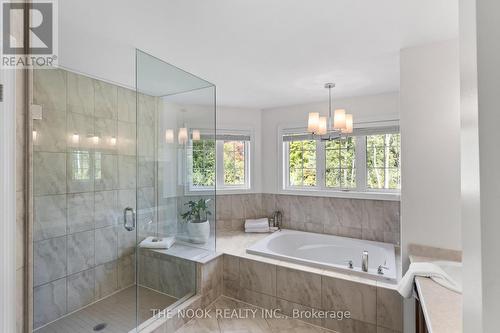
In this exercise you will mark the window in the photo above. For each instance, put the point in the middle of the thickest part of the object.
(80, 165)
(203, 170)
(382, 161)
(340, 156)
(367, 161)
(234, 163)
(223, 162)
(302, 163)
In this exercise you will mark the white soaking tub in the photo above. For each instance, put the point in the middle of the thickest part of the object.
(328, 252)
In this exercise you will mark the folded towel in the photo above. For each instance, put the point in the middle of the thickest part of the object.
(157, 243)
(257, 230)
(257, 223)
(425, 269)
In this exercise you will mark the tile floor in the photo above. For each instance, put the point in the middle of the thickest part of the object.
(253, 324)
(117, 311)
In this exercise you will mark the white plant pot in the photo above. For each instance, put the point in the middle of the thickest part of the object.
(198, 233)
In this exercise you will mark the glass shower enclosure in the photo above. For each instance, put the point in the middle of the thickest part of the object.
(123, 196)
(178, 159)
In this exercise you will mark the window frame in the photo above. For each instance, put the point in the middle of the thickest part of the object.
(361, 191)
(220, 187)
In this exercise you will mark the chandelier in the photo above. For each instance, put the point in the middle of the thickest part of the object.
(326, 127)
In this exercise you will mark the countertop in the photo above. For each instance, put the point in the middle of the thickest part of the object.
(442, 307)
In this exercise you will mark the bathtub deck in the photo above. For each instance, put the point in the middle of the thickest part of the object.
(235, 243)
(117, 311)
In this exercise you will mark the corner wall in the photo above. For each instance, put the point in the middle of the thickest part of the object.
(430, 140)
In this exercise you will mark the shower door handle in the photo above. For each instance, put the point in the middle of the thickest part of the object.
(125, 218)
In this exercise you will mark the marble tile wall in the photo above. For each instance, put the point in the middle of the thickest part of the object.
(373, 308)
(170, 275)
(81, 186)
(357, 218)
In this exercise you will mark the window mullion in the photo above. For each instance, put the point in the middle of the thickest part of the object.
(219, 170)
(320, 165)
(361, 172)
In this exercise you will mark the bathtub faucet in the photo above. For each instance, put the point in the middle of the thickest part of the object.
(364, 261)
(277, 217)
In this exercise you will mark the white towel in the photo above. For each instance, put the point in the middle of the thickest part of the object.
(257, 223)
(257, 230)
(425, 269)
(157, 243)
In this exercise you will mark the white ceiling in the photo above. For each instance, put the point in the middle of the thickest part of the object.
(259, 53)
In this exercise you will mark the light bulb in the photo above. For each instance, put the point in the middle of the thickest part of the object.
(339, 119)
(196, 135)
(313, 122)
(95, 139)
(182, 137)
(169, 136)
(35, 135)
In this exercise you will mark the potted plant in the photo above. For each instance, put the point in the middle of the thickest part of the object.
(198, 227)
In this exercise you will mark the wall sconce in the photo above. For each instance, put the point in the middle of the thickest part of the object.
(196, 135)
(95, 139)
(183, 135)
(169, 136)
(75, 138)
(35, 135)
(112, 141)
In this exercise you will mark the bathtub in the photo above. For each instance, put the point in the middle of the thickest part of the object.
(328, 252)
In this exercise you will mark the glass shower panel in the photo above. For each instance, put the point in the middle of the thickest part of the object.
(84, 172)
(176, 154)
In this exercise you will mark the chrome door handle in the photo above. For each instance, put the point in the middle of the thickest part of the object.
(125, 218)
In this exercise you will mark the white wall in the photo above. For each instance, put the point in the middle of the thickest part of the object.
(470, 182)
(364, 108)
(430, 144)
(480, 82)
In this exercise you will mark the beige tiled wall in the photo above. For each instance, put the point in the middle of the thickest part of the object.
(373, 308)
(357, 218)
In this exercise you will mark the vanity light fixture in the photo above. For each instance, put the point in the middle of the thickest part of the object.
(323, 127)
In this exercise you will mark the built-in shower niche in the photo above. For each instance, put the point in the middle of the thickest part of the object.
(98, 149)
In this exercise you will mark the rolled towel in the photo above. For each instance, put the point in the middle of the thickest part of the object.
(257, 223)
(157, 243)
(425, 269)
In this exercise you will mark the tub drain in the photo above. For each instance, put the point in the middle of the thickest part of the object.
(99, 327)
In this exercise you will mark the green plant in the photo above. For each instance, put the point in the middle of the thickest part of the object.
(197, 209)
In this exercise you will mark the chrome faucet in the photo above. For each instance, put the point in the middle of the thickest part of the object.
(277, 217)
(380, 269)
(364, 262)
